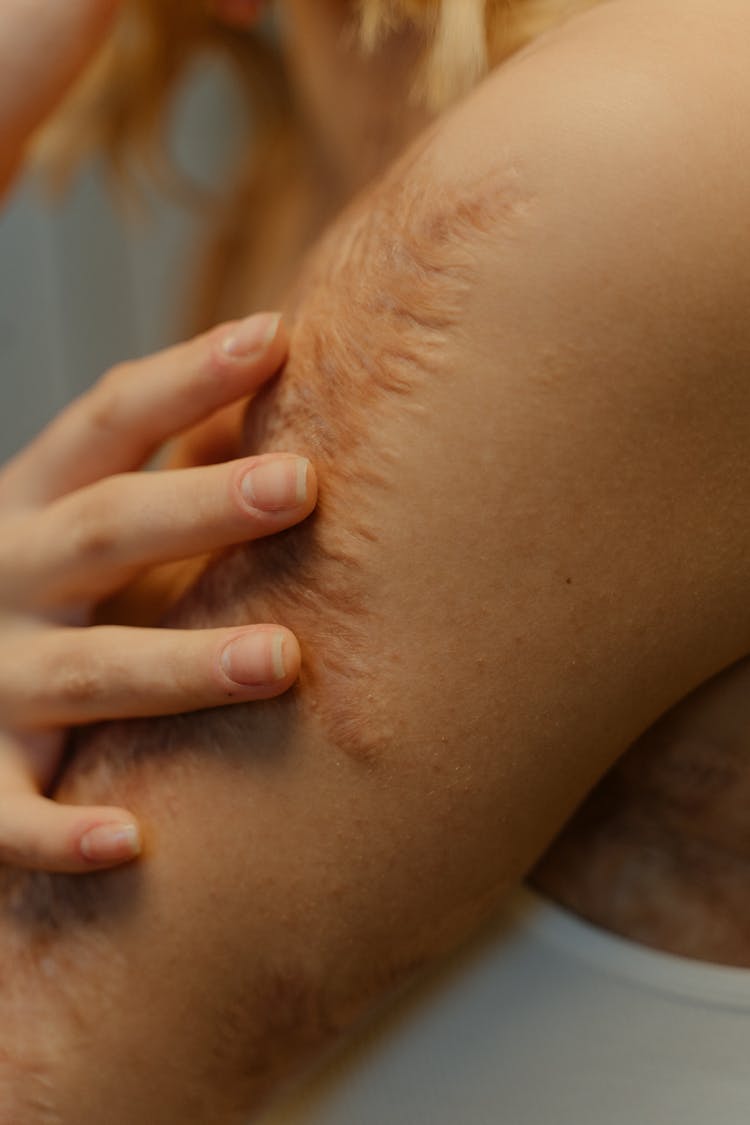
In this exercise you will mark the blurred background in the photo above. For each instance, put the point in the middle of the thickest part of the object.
(86, 282)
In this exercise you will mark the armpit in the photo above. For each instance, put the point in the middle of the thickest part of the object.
(378, 318)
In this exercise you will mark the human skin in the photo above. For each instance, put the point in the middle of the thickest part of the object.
(659, 853)
(78, 523)
(485, 341)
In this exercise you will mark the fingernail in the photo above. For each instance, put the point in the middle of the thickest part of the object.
(277, 486)
(255, 659)
(252, 337)
(108, 842)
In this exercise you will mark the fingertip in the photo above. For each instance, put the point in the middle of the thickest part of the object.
(290, 656)
(288, 662)
(311, 487)
(243, 355)
(110, 843)
(279, 348)
(40, 835)
(264, 659)
(258, 338)
(280, 485)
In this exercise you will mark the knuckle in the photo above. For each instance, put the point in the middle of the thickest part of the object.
(116, 377)
(106, 401)
(93, 545)
(76, 681)
(95, 530)
(61, 680)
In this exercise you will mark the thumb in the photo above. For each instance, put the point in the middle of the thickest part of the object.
(44, 45)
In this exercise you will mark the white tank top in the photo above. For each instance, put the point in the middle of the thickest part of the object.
(546, 1020)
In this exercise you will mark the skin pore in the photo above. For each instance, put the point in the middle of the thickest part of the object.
(461, 360)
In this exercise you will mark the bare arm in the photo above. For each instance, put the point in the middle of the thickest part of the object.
(531, 542)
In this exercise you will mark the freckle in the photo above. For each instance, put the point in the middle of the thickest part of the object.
(568, 581)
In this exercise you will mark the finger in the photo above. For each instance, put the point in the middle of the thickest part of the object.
(37, 833)
(44, 44)
(93, 542)
(116, 426)
(65, 677)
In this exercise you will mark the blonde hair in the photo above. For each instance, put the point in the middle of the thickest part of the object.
(465, 38)
(121, 101)
(121, 104)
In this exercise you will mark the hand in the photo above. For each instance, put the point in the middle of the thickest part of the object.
(76, 525)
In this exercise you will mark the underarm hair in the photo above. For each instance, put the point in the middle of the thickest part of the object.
(372, 315)
(373, 318)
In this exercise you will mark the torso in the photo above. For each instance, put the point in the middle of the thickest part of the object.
(660, 851)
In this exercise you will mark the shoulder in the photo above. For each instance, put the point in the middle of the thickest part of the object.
(666, 40)
(614, 162)
(651, 88)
